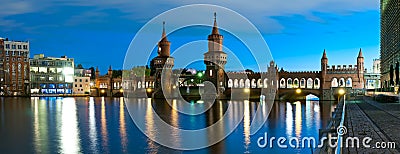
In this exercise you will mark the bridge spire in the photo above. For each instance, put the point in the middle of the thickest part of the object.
(324, 55)
(360, 54)
(215, 27)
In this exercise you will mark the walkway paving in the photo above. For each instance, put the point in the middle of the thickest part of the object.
(367, 118)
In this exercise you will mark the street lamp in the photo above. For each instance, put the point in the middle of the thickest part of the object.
(341, 92)
(298, 91)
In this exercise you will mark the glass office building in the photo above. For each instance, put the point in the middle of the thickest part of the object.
(390, 43)
(51, 76)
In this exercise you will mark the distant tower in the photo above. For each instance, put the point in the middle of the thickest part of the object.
(110, 71)
(360, 67)
(97, 75)
(215, 60)
(324, 63)
(163, 64)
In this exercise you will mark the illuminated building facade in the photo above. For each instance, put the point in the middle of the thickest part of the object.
(390, 43)
(51, 76)
(14, 68)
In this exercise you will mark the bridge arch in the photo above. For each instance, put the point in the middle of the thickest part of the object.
(302, 83)
(282, 83)
(334, 82)
(289, 83)
(349, 82)
(247, 83)
(265, 85)
(230, 83)
(259, 84)
(253, 83)
(241, 83)
(317, 83)
(309, 83)
(236, 83)
(296, 83)
(341, 82)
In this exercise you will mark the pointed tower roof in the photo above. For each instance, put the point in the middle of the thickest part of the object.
(110, 68)
(215, 27)
(164, 34)
(324, 55)
(360, 55)
(97, 69)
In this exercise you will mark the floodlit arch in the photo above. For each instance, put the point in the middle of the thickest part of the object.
(296, 83)
(349, 82)
(309, 83)
(259, 84)
(265, 85)
(282, 83)
(235, 83)
(317, 83)
(341, 82)
(253, 83)
(302, 83)
(139, 85)
(289, 83)
(247, 83)
(334, 82)
(241, 83)
(230, 83)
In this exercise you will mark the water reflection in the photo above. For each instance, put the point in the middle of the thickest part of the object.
(92, 127)
(122, 125)
(298, 119)
(40, 126)
(246, 124)
(104, 132)
(70, 140)
(150, 128)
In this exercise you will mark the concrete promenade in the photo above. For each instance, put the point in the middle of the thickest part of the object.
(368, 118)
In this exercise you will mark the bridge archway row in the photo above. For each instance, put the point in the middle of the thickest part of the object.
(146, 84)
(342, 82)
(249, 83)
(303, 83)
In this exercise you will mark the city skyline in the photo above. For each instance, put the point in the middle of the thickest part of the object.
(307, 28)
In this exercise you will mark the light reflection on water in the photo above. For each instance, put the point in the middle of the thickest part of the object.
(70, 140)
(103, 125)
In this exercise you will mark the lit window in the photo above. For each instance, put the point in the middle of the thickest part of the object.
(210, 72)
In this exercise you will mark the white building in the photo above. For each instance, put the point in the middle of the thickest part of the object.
(81, 85)
(372, 79)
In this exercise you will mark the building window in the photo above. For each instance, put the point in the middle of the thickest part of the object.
(210, 72)
(13, 46)
(7, 46)
(80, 80)
(19, 47)
(76, 80)
(25, 46)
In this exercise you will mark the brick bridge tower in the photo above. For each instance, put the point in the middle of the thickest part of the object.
(215, 60)
(162, 65)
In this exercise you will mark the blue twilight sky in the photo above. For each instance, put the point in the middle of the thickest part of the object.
(98, 33)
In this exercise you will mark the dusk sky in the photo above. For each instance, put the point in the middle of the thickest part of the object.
(98, 33)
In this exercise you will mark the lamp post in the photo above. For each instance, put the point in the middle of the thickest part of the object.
(341, 92)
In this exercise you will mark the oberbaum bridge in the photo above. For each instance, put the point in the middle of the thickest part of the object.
(280, 84)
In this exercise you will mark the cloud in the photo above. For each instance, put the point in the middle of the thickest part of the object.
(260, 12)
